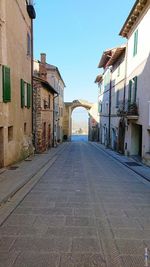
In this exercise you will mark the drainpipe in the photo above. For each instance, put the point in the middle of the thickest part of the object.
(109, 118)
(32, 68)
(125, 78)
(54, 119)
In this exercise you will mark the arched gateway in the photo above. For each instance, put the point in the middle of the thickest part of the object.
(68, 108)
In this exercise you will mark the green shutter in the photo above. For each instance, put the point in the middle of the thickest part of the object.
(135, 88)
(28, 95)
(135, 43)
(6, 84)
(129, 91)
(22, 93)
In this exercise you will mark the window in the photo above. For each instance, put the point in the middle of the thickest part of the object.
(107, 108)
(25, 128)
(117, 98)
(118, 73)
(100, 88)
(28, 95)
(28, 44)
(25, 94)
(10, 133)
(132, 90)
(100, 107)
(49, 101)
(135, 43)
(1, 85)
(6, 84)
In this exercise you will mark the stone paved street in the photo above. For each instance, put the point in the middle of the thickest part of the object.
(87, 210)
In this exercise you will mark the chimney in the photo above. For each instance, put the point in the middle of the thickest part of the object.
(43, 58)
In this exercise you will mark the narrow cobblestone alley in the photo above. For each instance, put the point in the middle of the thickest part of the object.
(87, 210)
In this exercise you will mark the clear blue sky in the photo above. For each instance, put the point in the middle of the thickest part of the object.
(74, 34)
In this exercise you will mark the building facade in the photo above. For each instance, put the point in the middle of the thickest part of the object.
(124, 107)
(15, 80)
(136, 30)
(43, 113)
(52, 75)
(55, 79)
(104, 83)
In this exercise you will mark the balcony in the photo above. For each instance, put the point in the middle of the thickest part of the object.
(132, 111)
(128, 110)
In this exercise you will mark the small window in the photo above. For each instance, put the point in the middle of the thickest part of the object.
(117, 98)
(1, 85)
(132, 90)
(100, 107)
(107, 108)
(28, 44)
(118, 73)
(135, 43)
(10, 133)
(25, 128)
(49, 101)
(6, 84)
(25, 94)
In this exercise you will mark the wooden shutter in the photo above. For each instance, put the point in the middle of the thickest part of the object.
(22, 93)
(28, 95)
(6, 84)
(129, 91)
(135, 88)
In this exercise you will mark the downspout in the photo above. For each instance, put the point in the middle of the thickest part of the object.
(109, 118)
(125, 78)
(54, 119)
(32, 69)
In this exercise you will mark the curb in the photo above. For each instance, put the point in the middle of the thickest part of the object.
(123, 163)
(21, 185)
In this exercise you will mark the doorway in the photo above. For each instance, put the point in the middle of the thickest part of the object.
(121, 136)
(136, 140)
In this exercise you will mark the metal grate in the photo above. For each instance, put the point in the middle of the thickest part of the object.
(133, 164)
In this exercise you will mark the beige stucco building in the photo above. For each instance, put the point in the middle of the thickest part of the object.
(124, 98)
(136, 30)
(111, 98)
(55, 79)
(15, 80)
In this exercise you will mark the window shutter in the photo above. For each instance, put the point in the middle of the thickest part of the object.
(129, 91)
(6, 84)
(22, 93)
(28, 95)
(135, 88)
(135, 43)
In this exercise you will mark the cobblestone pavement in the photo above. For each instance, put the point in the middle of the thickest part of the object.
(87, 210)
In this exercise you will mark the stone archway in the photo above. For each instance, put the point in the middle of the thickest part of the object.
(68, 108)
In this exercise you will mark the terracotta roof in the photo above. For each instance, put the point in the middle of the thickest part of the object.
(98, 78)
(104, 59)
(45, 83)
(132, 17)
(117, 53)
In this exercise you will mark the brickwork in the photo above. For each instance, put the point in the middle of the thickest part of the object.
(42, 116)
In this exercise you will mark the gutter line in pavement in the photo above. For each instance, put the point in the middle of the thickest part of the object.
(140, 174)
